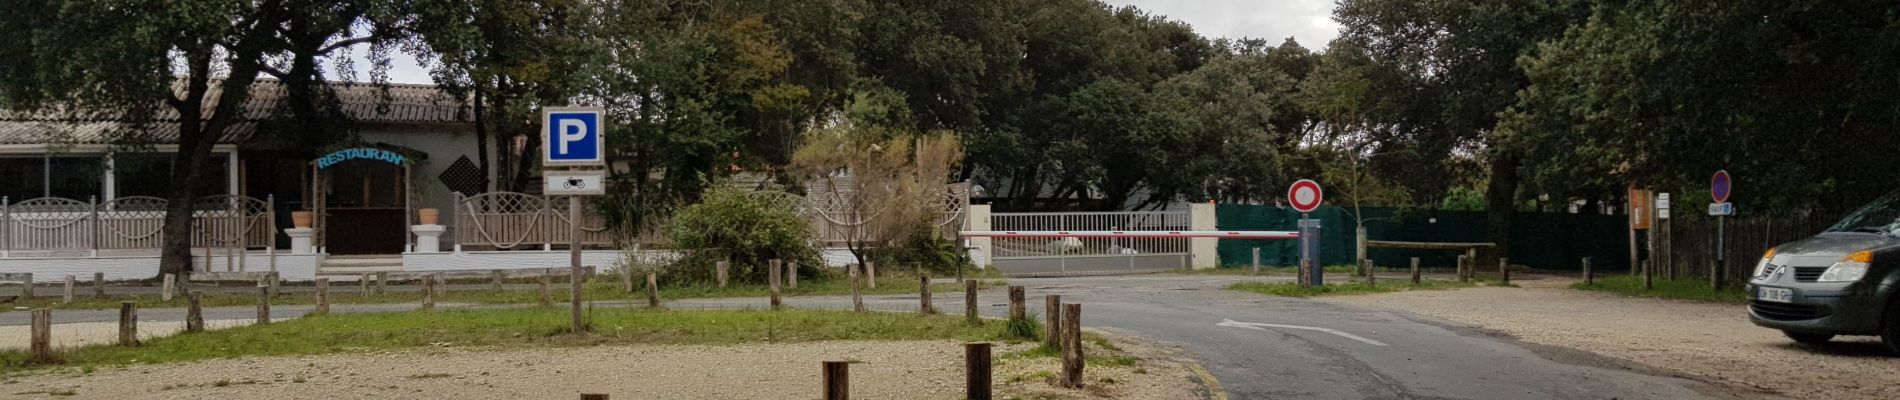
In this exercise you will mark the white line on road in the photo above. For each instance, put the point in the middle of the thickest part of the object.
(1264, 326)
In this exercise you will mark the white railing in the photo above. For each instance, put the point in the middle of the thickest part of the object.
(53, 225)
(1084, 245)
(510, 220)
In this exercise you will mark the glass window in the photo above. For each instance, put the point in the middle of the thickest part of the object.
(77, 178)
(149, 174)
(22, 178)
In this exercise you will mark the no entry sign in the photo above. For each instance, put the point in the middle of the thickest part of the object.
(1719, 186)
(1304, 195)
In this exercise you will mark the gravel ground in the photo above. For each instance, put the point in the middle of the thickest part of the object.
(18, 337)
(1707, 341)
(880, 370)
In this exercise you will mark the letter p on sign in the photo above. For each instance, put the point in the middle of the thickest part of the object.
(572, 136)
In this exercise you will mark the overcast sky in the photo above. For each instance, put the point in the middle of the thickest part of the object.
(1309, 21)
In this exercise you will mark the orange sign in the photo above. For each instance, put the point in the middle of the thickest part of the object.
(1640, 208)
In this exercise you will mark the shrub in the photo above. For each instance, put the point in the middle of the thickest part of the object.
(749, 227)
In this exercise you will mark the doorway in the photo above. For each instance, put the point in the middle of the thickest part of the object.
(365, 206)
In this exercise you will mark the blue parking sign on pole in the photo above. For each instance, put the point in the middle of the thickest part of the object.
(572, 136)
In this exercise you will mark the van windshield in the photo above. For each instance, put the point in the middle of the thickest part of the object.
(1882, 216)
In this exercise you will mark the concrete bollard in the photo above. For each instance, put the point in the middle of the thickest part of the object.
(166, 288)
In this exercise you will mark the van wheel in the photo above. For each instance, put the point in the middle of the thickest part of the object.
(1890, 327)
(1809, 338)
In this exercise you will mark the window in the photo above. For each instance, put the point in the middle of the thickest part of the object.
(22, 178)
(149, 174)
(31, 177)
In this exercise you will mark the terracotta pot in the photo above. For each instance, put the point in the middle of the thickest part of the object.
(301, 219)
(428, 216)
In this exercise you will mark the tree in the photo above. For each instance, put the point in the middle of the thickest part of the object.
(880, 181)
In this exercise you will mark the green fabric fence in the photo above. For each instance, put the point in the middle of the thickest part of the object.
(1541, 240)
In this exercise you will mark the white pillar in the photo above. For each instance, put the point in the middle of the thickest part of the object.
(1203, 252)
(979, 220)
(428, 238)
(300, 240)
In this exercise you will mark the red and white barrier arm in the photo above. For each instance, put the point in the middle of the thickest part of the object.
(1135, 234)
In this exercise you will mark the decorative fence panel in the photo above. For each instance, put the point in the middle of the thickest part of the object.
(510, 220)
(1034, 256)
(51, 224)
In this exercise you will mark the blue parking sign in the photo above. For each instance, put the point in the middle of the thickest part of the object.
(572, 136)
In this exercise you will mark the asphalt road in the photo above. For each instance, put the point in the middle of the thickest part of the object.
(1257, 347)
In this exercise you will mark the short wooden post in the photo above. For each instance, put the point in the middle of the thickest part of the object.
(1305, 264)
(128, 324)
(923, 293)
(382, 280)
(1648, 277)
(165, 289)
(26, 288)
(496, 275)
(1256, 261)
(791, 275)
(1052, 321)
(547, 296)
(441, 284)
(276, 282)
(593, 396)
(428, 292)
(67, 297)
(323, 297)
(1372, 278)
(1017, 310)
(98, 285)
(969, 301)
(263, 304)
(195, 313)
(626, 281)
(1471, 263)
(870, 275)
(1589, 277)
(976, 367)
(653, 290)
(1072, 345)
(721, 270)
(857, 295)
(42, 340)
(1504, 271)
(772, 275)
(363, 283)
(1415, 272)
(837, 380)
(1462, 277)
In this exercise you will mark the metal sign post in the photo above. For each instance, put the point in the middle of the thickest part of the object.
(1306, 196)
(1719, 188)
(572, 138)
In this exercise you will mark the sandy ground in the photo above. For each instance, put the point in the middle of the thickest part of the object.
(879, 370)
(1711, 342)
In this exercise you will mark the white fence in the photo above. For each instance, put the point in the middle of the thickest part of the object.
(53, 226)
(1083, 255)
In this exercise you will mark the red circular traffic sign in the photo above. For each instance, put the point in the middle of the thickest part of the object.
(1304, 195)
(1719, 186)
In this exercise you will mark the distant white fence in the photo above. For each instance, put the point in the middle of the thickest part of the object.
(53, 225)
(510, 221)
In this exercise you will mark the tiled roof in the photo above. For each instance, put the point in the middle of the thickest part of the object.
(368, 103)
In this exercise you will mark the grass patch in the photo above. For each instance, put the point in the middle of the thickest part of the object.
(604, 287)
(1293, 289)
(1684, 289)
(515, 328)
(1024, 329)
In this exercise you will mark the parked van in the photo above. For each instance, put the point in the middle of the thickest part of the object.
(1839, 282)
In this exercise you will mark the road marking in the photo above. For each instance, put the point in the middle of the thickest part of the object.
(1264, 326)
(1214, 391)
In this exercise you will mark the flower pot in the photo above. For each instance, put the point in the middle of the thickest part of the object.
(301, 219)
(428, 216)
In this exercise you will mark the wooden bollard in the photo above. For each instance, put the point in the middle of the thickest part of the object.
(626, 281)
(363, 283)
(791, 275)
(382, 281)
(1072, 345)
(1462, 276)
(67, 297)
(496, 275)
(547, 296)
(1017, 310)
(593, 396)
(923, 294)
(653, 290)
(128, 324)
(98, 285)
(976, 367)
(166, 287)
(1504, 271)
(323, 297)
(26, 288)
(1372, 278)
(441, 284)
(263, 304)
(195, 313)
(1052, 321)
(42, 341)
(1256, 261)
(1415, 272)
(969, 301)
(772, 276)
(1648, 278)
(428, 292)
(870, 275)
(1589, 277)
(837, 380)
(276, 282)
(721, 270)
(857, 295)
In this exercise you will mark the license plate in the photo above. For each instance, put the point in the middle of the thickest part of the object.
(1777, 295)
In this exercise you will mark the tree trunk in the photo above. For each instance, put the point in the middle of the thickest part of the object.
(481, 139)
(1500, 203)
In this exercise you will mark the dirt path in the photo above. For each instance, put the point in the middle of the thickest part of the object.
(1712, 342)
(880, 370)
